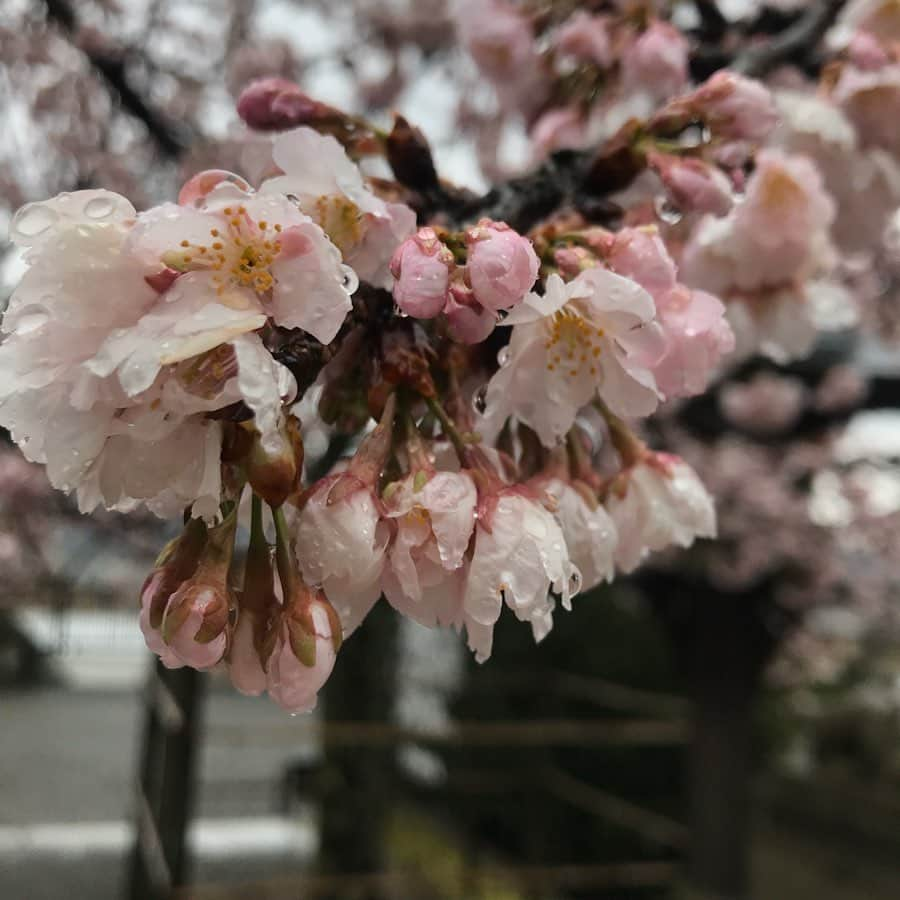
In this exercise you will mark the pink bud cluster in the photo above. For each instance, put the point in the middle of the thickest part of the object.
(500, 267)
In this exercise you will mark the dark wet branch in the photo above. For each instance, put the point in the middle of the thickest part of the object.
(794, 44)
(110, 64)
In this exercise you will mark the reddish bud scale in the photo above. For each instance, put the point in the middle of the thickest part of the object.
(174, 565)
(274, 474)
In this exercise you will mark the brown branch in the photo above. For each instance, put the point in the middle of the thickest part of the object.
(793, 44)
(110, 64)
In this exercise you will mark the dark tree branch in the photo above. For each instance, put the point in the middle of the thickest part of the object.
(794, 44)
(110, 65)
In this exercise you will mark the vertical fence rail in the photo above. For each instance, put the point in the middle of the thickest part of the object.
(165, 782)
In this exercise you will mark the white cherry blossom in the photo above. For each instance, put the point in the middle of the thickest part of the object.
(591, 337)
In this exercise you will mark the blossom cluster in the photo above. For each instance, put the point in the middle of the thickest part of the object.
(486, 377)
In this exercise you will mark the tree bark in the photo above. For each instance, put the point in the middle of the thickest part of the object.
(724, 680)
(357, 781)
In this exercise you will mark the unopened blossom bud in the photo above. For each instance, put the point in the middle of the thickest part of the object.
(409, 156)
(501, 266)
(657, 62)
(572, 261)
(175, 564)
(694, 185)
(866, 52)
(421, 267)
(734, 107)
(640, 254)
(276, 104)
(585, 38)
(559, 128)
(304, 642)
(467, 320)
(196, 617)
(274, 463)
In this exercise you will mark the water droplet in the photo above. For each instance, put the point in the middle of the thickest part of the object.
(574, 583)
(33, 219)
(99, 208)
(400, 313)
(503, 357)
(694, 136)
(31, 322)
(350, 280)
(667, 211)
(479, 400)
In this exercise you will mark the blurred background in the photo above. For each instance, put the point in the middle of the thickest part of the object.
(729, 716)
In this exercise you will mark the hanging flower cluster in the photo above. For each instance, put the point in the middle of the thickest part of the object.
(484, 379)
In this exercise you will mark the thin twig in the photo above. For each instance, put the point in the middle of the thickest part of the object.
(794, 44)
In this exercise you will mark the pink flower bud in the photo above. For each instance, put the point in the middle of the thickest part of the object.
(196, 618)
(694, 185)
(276, 104)
(421, 267)
(154, 588)
(572, 261)
(195, 621)
(558, 128)
(177, 562)
(586, 38)
(866, 52)
(245, 663)
(657, 62)
(304, 642)
(735, 107)
(502, 265)
(467, 320)
(640, 254)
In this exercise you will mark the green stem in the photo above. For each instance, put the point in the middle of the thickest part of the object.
(284, 556)
(256, 520)
(449, 427)
(629, 446)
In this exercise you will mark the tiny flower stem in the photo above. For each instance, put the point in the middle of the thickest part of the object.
(284, 556)
(628, 445)
(256, 521)
(449, 427)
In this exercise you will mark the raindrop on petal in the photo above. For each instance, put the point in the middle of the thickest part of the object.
(479, 399)
(99, 208)
(33, 219)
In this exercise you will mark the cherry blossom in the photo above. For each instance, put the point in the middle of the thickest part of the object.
(433, 519)
(520, 554)
(593, 336)
(330, 188)
(655, 503)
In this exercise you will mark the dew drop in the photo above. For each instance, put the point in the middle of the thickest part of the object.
(694, 136)
(31, 322)
(99, 208)
(400, 313)
(503, 357)
(479, 400)
(350, 280)
(574, 583)
(33, 219)
(667, 211)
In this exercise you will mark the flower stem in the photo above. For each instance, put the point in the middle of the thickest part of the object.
(629, 446)
(284, 555)
(449, 427)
